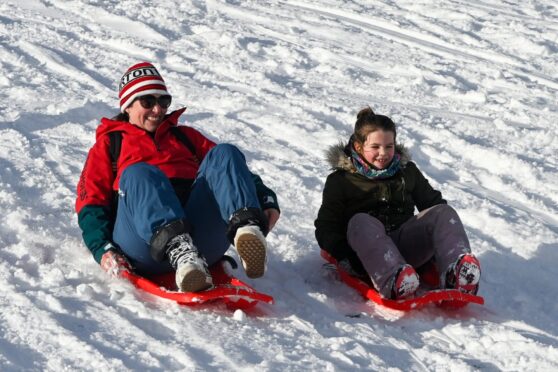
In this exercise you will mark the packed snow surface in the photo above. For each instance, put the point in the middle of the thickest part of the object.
(472, 86)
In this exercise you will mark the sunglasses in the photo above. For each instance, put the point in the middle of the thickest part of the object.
(149, 101)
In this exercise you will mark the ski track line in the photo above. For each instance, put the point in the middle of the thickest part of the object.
(438, 111)
(460, 152)
(54, 62)
(112, 21)
(545, 217)
(37, 152)
(523, 327)
(405, 37)
(500, 10)
(113, 24)
(294, 40)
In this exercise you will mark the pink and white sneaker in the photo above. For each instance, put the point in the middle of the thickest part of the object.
(405, 283)
(464, 274)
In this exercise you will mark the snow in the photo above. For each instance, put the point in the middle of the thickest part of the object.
(472, 86)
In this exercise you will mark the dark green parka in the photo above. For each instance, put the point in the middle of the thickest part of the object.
(346, 193)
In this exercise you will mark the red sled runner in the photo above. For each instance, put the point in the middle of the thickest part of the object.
(227, 289)
(446, 298)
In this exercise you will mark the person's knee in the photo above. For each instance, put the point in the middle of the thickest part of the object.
(444, 210)
(140, 170)
(225, 150)
(221, 156)
(439, 215)
(439, 210)
(364, 221)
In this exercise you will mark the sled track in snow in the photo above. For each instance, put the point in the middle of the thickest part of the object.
(438, 47)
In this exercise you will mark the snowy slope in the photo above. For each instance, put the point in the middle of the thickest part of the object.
(471, 84)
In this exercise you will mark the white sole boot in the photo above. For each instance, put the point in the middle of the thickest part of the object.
(251, 247)
(192, 278)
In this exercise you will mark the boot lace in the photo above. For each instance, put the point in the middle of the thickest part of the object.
(181, 250)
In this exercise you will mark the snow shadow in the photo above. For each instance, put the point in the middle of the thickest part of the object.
(29, 123)
(523, 290)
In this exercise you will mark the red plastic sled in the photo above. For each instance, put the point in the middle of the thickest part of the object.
(446, 298)
(227, 289)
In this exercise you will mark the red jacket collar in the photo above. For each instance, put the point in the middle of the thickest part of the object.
(110, 125)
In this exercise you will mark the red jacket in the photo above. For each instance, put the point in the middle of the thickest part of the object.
(97, 182)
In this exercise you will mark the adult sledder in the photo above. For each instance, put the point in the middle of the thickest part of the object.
(171, 199)
(367, 225)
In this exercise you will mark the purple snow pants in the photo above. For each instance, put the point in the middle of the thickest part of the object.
(436, 232)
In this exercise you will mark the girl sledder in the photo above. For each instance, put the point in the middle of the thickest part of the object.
(367, 221)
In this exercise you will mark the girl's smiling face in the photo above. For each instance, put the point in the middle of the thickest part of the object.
(378, 149)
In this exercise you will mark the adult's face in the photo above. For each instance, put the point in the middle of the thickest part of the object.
(146, 115)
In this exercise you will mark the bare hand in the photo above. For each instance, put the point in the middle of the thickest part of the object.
(114, 263)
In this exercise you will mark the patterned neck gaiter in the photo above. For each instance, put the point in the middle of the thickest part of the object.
(364, 168)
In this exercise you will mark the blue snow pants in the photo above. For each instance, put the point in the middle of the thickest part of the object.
(147, 201)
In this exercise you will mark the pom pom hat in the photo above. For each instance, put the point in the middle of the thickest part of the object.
(140, 80)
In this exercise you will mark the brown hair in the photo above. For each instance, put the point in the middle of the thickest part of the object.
(122, 116)
(368, 122)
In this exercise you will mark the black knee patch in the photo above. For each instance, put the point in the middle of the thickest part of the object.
(161, 237)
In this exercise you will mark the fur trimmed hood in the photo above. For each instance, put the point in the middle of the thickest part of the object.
(337, 156)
